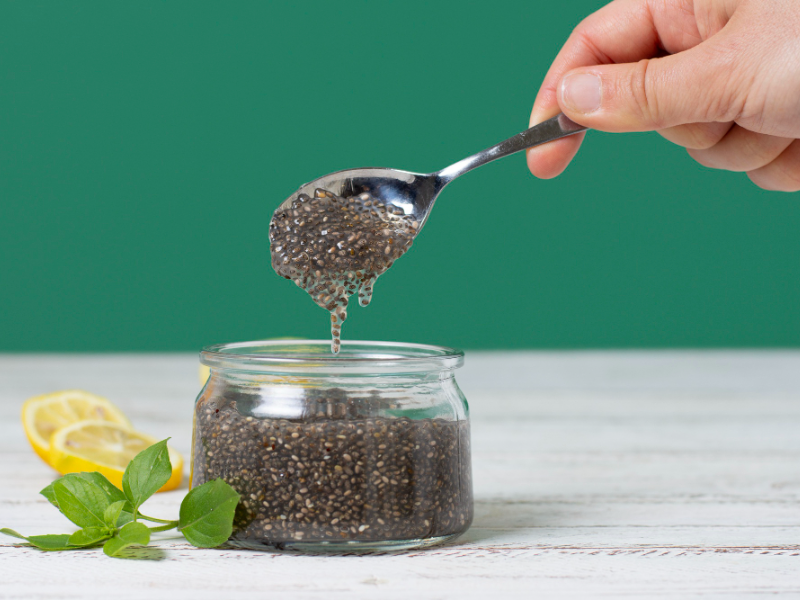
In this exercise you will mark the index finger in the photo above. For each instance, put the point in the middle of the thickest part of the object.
(621, 32)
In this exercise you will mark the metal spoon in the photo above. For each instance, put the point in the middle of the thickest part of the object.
(415, 193)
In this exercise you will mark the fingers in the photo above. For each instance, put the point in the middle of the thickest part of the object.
(741, 150)
(550, 160)
(620, 32)
(695, 86)
(624, 31)
(771, 162)
(782, 174)
(696, 135)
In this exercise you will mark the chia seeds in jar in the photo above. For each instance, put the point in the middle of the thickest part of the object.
(365, 450)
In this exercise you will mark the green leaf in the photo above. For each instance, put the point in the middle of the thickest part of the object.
(114, 495)
(113, 514)
(58, 541)
(89, 536)
(146, 474)
(50, 494)
(113, 492)
(44, 542)
(100, 480)
(133, 534)
(81, 501)
(12, 533)
(206, 515)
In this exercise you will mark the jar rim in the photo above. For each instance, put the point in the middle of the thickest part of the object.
(314, 356)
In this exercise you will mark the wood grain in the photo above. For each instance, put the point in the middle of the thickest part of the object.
(652, 474)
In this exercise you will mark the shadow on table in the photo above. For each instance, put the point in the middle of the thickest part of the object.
(148, 553)
(495, 519)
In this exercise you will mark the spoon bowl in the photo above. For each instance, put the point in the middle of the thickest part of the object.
(415, 193)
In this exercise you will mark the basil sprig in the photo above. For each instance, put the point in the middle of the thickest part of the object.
(110, 517)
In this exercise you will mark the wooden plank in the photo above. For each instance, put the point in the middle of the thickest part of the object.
(662, 474)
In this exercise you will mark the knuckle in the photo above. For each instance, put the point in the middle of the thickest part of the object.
(776, 180)
(583, 35)
(699, 141)
(642, 87)
(788, 185)
(704, 158)
(693, 136)
(775, 186)
(761, 180)
(581, 29)
(729, 81)
(789, 166)
(752, 153)
(702, 136)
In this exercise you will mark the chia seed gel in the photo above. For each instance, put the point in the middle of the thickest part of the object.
(332, 247)
(335, 478)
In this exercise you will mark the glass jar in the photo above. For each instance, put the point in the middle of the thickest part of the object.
(368, 449)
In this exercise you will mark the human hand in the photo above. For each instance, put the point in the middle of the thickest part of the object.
(719, 77)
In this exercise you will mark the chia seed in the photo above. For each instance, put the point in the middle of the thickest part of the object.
(333, 247)
(336, 475)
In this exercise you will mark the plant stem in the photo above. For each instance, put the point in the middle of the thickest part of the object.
(154, 520)
(169, 525)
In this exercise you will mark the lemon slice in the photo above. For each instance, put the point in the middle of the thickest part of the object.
(43, 415)
(204, 373)
(105, 447)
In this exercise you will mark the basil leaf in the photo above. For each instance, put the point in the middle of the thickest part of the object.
(89, 536)
(44, 542)
(112, 514)
(50, 494)
(12, 533)
(81, 501)
(146, 474)
(130, 535)
(206, 515)
(58, 541)
(113, 493)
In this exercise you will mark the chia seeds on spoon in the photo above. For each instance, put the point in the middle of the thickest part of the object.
(335, 476)
(333, 247)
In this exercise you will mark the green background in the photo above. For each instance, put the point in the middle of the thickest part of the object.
(144, 146)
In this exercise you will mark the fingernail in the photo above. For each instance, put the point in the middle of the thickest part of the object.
(581, 92)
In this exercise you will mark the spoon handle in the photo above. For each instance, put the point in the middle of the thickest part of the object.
(552, 129)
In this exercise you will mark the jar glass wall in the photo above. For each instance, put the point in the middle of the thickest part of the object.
(367, 449)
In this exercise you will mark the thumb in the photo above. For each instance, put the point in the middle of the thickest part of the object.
(689, 87)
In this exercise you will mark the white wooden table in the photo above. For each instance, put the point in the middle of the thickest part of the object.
(596, 474)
